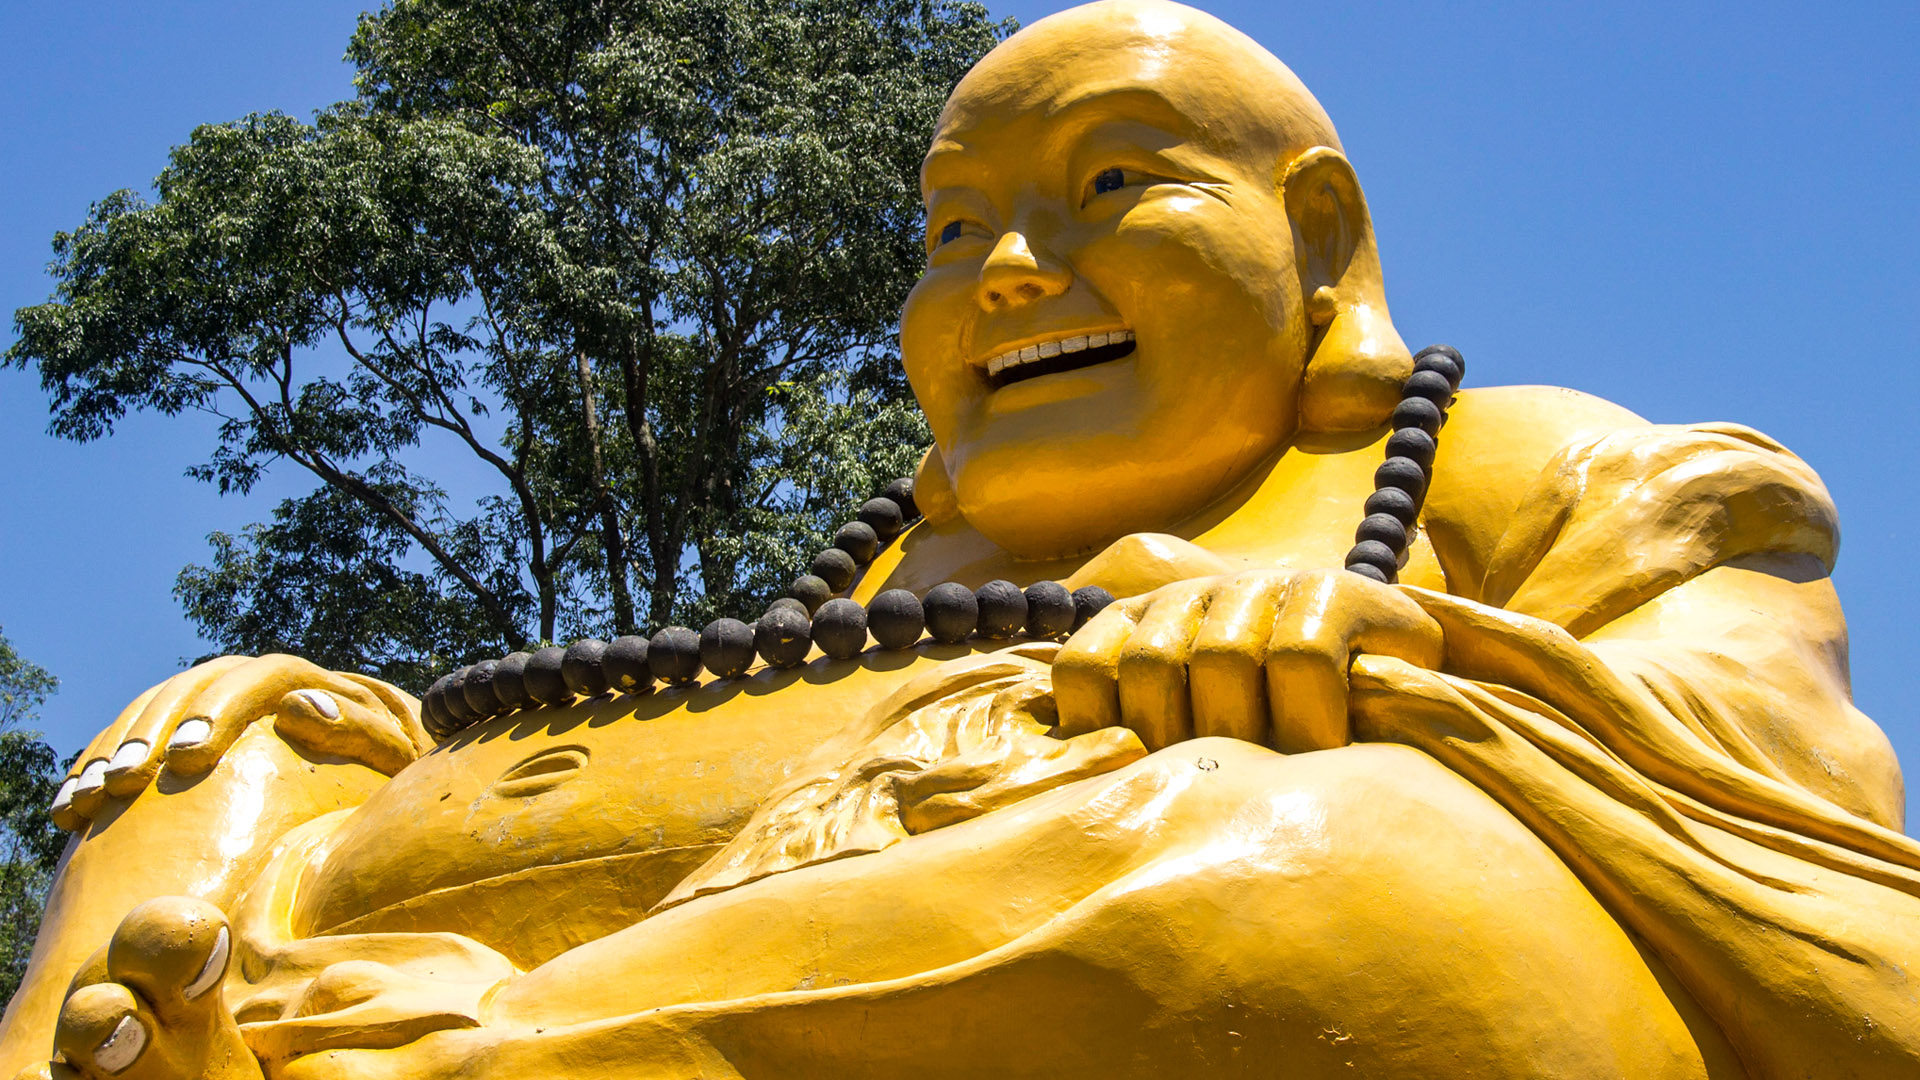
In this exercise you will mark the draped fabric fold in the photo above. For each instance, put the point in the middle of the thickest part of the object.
(1671, 770)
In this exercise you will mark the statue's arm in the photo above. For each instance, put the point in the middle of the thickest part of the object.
(186, 794)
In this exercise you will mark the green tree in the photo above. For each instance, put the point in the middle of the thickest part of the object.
(639, 262)
(30, 845)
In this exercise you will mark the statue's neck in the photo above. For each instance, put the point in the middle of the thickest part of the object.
(1296, 510)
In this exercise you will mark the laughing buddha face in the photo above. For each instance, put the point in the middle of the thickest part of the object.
(1114, 319)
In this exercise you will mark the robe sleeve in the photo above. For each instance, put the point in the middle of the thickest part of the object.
(1655, 685)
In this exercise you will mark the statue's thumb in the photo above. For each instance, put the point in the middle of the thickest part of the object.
(336, 724)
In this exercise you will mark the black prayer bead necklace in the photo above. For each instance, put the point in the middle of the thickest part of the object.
(814, 614)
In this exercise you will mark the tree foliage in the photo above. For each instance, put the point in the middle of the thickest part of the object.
(638, 264)
(30, 845)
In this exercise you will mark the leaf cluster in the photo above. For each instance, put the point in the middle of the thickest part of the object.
(634, 265)
(30, 845)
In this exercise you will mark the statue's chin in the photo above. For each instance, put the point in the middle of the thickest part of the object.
(1043, 500)
(1042, 522)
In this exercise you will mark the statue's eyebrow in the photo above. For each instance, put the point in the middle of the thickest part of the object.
(945, 162)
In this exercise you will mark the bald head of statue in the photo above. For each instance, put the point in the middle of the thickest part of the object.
(1150, 269)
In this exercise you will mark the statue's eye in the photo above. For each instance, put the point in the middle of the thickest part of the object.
(1110, 180)
(949, 232)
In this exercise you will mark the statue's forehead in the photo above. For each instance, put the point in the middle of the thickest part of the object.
(1223, 92)
(963, 132)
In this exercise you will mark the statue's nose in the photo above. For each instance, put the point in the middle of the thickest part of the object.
(1016, 274)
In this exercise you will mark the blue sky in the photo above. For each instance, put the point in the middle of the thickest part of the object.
(1701, 211)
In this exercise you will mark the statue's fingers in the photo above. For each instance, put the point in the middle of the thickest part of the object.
(334, 723)
(402, 706)
(1155, 700)
(241, 695)
(1086, 670)
(103, 1029)
(136, 758)
(1306, 666)
(173, 951)
(1228, 668)
(1396, 626)
(83, 792)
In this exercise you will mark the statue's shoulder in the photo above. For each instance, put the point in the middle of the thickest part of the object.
(1497, 441)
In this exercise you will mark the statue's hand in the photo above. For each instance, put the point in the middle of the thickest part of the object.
(185, 724)
(1260, 656)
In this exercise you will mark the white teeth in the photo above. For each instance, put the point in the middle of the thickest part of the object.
(92, 778)
(64, 797)
(1046, 350)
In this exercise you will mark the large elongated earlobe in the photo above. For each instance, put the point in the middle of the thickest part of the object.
(1358, 362)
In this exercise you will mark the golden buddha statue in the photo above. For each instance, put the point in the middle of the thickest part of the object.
(1581, 794)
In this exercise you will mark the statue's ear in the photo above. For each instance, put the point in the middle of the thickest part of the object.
(1357, 362)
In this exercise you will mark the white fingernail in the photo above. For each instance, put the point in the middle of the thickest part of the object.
(131, 755)
(191, 733)
(322, 703)
(64, 797)
(92, 778)
(210, 971)
(123, 1046)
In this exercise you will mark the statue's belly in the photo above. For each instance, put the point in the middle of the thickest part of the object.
(537, 832)
(1214, 909)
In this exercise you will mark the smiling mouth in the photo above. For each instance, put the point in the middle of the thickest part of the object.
(1060, 354)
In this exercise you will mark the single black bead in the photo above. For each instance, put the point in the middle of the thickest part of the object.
(791, 604)
(1417, 412)
(952, 611)
(1413, 443)
(1393, 501)
(895, 619)
(780, 637)
(858, 539)
(1003, 609)
(883, 516)
(545, 684)
(1403, 473)
(726, 647)
(901, 492)
(840, 628)
(1088, 601)
(510, 682)
(1447, 351)
(433, 709)
(1382, 527)
(580, 667)
(1375, 554)
(477, 688)
(1430, 385)
(625, 664)
(811, 591)
(673, 655)
(1369, 571)
(457, 707)
(1441, 364)
(1049, 609)
(835, 567)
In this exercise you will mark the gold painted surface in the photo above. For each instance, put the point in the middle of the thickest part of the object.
(1584, 796)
